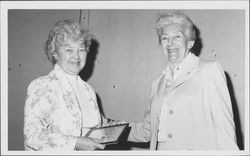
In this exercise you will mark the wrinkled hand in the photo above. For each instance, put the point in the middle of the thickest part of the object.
(86, 143)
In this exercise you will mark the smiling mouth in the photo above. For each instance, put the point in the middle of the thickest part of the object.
(77, 63)
(172, 49)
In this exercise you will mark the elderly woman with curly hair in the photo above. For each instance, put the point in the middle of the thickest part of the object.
(60, 107)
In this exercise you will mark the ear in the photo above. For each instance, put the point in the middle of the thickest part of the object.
(190, 44)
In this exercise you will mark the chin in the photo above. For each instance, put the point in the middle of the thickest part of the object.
(173, 60)
(74, 71)
(77, 71)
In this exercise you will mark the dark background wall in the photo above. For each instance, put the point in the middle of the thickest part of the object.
(124, 59)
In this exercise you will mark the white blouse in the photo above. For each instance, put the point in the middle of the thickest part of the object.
(90, 113)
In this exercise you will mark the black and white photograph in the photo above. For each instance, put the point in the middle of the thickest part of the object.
(175, 72)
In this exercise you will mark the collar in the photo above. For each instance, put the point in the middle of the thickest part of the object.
(71, 78)
(174, 72)
(178, 67)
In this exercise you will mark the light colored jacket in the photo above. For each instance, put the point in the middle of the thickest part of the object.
(201, 117)
(53, 118)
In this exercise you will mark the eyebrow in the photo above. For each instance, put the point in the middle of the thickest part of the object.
(82, 45)
(183, 33)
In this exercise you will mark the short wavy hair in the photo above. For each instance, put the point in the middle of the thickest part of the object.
(171, 17)
(59, 35)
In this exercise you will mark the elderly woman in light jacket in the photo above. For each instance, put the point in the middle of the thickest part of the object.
(60, 107)
(190, 106)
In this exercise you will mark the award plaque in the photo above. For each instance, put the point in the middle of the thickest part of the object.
(108, 134)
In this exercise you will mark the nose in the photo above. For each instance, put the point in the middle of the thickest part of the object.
(76, 55)
(170, 41)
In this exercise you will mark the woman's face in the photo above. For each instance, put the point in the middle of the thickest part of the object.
(71, 57)
(175, 43)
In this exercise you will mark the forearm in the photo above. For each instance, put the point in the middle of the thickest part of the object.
(140, 132)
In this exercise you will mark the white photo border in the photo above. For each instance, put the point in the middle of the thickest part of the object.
(6, 5)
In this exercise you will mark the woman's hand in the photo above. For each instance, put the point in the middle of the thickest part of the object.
(86, 143)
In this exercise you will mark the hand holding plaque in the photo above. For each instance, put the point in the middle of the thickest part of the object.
(108, 134)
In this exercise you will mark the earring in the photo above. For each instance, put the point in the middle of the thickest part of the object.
(190, 45)
(55, 56)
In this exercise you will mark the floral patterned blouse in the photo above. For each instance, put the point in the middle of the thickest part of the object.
(53, 117)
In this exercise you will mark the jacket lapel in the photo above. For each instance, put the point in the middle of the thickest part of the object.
(68, 93)
(188, 72)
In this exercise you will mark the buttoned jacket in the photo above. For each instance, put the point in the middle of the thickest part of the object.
(199, 115)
